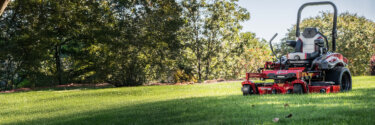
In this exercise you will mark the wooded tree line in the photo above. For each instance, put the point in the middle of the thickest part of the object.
(124, 42)
(132, 42)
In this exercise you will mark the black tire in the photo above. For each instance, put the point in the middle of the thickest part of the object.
(341, 76)
(247, 90)
(297, 89)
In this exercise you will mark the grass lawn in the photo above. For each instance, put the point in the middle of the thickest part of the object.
(220, 103)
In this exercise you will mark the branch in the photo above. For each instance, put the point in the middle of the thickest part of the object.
(3, 5)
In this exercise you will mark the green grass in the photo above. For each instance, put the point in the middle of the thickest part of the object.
(221, 103)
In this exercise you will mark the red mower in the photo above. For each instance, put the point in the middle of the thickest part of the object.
(311, 68)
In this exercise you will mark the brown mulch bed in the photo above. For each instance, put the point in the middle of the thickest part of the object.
(189, 83)
(103, 85)
(72, 85)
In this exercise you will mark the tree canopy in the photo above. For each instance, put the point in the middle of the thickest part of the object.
(48, 42)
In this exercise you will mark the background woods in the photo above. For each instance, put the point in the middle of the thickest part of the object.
(131, 42)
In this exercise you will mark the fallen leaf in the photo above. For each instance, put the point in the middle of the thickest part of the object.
(275, 119)
(286, 105)
(289, 116)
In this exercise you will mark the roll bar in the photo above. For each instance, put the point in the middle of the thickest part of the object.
(334, 32)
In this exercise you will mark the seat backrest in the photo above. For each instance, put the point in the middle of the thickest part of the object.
(305, 46)
(308, 37)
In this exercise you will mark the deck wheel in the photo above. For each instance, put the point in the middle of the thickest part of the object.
(247, 90)
(297, 89)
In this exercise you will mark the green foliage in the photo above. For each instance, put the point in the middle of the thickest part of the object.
(255, 53)
(183, 76)
(125, 43)
(88, 41)
(24, 83)
(145, 46)
(220, 103)
(221, 33)
(355, 40)
(212, 34)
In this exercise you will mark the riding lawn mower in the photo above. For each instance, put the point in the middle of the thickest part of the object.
(311, 68)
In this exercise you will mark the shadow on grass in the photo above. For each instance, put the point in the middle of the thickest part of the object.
(234, 109)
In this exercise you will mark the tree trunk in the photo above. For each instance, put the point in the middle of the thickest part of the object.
(3, 5)
(58, 64)
(208, 57)
(210, 49)
(198, 57)
(198, 53)
(207, 69)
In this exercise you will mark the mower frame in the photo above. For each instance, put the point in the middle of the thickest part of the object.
(325, 74)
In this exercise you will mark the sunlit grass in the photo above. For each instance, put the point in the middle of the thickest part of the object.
(221, 103)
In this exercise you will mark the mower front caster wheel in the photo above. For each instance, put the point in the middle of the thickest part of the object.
(247, 90)
(297, 89)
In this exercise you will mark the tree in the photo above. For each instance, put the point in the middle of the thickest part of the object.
(21, 49)
(221, 30)
(211, 32)
(192, 31)
(42, 37)
(146, 45)
(3, 5)
(123, 42)
(256, 53)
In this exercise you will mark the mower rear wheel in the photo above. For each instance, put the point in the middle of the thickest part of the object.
(297, 89)
(247, 90)
(341, 76)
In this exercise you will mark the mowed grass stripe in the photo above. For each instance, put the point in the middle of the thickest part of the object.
(220, 103)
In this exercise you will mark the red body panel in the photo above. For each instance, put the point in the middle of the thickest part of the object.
(329, 89)
(338, 55)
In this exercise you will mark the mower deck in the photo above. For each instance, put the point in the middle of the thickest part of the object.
(285, 80)
(287, 88)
